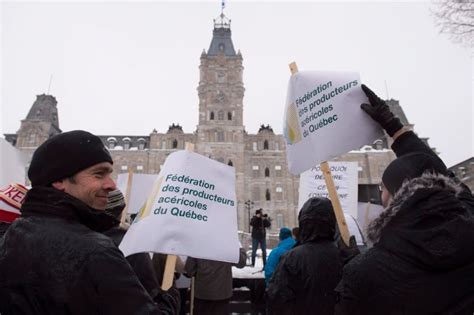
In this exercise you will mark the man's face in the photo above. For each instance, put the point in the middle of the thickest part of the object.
(91, 185)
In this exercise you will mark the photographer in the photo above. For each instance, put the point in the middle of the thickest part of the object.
(259, 223)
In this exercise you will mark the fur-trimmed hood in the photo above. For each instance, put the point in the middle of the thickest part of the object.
(427, 222)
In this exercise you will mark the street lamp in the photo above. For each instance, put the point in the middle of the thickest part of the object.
(249, 205)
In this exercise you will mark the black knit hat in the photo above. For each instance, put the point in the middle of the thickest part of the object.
(64, 155)
(410, 166)
(258, 211)
(115, 203)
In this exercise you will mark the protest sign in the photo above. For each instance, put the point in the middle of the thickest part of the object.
(323, 118)
(345, 176)
(191, 211)
(12, 164)
(136, 191)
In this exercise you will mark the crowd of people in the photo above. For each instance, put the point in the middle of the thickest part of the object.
(61, 256)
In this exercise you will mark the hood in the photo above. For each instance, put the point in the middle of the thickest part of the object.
(316, 220)
(427, 224)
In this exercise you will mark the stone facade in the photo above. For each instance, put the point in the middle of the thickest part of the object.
(262, 177)
(465, 172)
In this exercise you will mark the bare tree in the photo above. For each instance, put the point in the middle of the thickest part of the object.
(456, 19)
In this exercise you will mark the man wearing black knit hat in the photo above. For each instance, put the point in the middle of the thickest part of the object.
(422, 260)
(54, 259)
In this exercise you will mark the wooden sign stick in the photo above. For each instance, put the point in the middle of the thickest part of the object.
(170, 266)
(341, 221)
(128, 192)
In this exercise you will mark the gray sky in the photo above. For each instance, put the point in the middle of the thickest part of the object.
(129, 67)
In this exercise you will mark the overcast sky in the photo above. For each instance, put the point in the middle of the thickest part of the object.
(127, 68)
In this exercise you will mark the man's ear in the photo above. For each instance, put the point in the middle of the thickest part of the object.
(59, 185)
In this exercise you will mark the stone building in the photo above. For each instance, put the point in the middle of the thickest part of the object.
(262, 176)
(465, 172)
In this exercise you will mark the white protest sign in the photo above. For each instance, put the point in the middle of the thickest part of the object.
(344, 174)
(140, 188)
(323, 118)
(193, 211)
(12, 164)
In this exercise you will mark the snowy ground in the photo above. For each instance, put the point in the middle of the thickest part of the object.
(249, 272)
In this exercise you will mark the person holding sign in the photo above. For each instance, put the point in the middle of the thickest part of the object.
(305, 278)
(259, 223)
(54, 259)
(422, 261)
(213, 283)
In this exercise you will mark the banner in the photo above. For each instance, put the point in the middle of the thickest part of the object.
(192, 211)
(345, 177)
(323, 118)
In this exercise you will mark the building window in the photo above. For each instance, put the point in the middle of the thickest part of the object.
(230, 163)
(267, 195)
(254, 147)
(229, 116)
(163, 145)
(139, 167)
(278, 170)
(112, 142)
(141, 144)
(126, 143)
(265, 145)
(277, 146)
(279, 189)
(211, 117)
(124, 167)
(267, 172)
(175, 144)
(279, 219)
(220, 115)
(255, 172)
(220, 136)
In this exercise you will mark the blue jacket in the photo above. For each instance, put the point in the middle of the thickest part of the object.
(274, 257)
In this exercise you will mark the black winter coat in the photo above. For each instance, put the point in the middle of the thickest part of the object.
(258, 227)
(54, 261)
(423, 258)
(306, 276)
(304, 280)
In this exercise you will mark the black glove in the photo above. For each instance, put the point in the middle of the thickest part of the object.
(168, 302)
(348, 252)
(380, 112)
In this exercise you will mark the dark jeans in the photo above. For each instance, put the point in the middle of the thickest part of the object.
(208, 307)
(263, 246)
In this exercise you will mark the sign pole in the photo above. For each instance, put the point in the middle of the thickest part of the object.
(341, 221)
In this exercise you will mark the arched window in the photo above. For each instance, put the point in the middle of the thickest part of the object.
(175, 144)
(229, 116)
(211, 117)
(267, 172)
(265, 145)
(267, 195)
(230, 163)
(220, 115)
